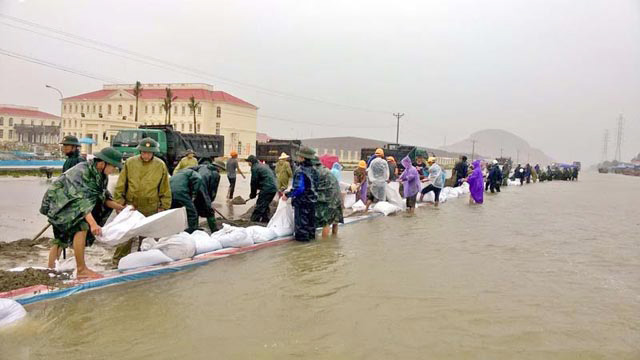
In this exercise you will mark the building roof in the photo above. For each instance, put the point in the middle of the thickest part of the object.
(159, 94)
(25, 112)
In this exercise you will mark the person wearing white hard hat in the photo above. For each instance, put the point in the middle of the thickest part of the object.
(283, 172)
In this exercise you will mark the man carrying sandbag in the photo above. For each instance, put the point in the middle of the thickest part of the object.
(188, 190)
(78, 203)
(303, 193)
(143, 183)
(263, 179)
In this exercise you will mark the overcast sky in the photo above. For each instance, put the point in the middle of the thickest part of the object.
(557, 73)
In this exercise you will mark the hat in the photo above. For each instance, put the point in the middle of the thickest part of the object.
(148, 145)
(379, 152)
(306, 153)
(233, 153)
(110, 156)
(219, 164)
(494, 161)
(70, 140)
(390, 158)
(252, 159)
(362, 164)
(190, 151)
(431, 159)
(283, 156)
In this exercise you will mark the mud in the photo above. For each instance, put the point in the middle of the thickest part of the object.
(10, 280)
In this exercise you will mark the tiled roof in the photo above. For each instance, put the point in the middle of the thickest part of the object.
(10, 111)
(159, 94)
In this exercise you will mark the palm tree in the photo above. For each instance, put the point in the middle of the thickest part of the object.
(137, 91)
(193, 105)
(168, 101)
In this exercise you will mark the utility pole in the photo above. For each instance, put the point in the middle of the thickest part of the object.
(61, 97)
(605, 146)
(501, 152)
(398, 116)
(618, 155)
(473, 149)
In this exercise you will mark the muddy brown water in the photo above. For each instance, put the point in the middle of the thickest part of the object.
(548, 271)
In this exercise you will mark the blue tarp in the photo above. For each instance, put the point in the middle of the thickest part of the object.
(14, 163)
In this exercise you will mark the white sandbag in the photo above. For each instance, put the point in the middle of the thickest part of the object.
(260, 234)
(358, 206)
(442, 198)
(282, 221)
(143, 258)
(177, 247)
(344, 186)
(162, 224)
(66, 265)
(204, 242)
(393, 195)
(10, 312)
(114, 233)
(148, 244)
(429, 197)
(451, 192)
(386, 208)
(237, 238)
(349, 200)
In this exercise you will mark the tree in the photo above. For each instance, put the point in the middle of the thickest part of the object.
(168, 103)
(137, 91)
(193, 105)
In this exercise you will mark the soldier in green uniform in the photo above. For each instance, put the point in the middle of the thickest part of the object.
(78, 203)
(71, 148)
(263, 179)
(144, 184)
(283, 172)
(329, 202)
(187, 161)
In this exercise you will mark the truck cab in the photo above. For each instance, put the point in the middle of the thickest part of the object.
(126, 141)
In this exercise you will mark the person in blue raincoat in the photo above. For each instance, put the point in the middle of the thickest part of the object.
(304, 197)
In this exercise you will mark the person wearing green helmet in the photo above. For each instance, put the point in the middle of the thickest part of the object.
(263, 179)
(304, 196)
(187, 161)
(77, 204)
(71, 148)
(143, 183)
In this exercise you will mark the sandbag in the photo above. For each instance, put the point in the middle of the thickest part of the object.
(358, 206)
(429, 197)
(282, 221)
(451, 192)
(237, 238)
(204, 242)
(148, 244)
(114, 233)
(143, 258)
(10, 312)
(386, 208)
(68, 264)
(392, 192)
(260, 234)
(177, 247)
(349, 200)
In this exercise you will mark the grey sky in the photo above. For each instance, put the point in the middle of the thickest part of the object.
(556, 73)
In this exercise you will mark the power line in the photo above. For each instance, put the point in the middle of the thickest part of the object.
(193, 71)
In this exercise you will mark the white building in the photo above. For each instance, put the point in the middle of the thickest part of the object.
(28, 125)
(100, 114)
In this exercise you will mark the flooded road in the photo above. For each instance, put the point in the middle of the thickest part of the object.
(548, 271)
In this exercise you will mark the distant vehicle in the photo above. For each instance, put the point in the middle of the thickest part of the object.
(173, 144)
(577, 164)
(398, 152)
(270, 151)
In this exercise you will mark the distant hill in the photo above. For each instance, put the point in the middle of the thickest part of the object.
(490, 141)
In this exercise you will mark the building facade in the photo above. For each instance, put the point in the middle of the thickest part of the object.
(28, 125)
(100, 114)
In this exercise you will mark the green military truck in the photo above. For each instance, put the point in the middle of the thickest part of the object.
(173, 144)
(270, 151)
(398, 152)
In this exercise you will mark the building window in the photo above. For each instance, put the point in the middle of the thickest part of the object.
(65, 107)
(93, 109)
(130, 109)
(198, 126)
(1, 134)
(53, 123)
(218, 112)
(1, 121)
(190, 111)
(109, 109)
(119, 109)
(10, 121)
(146, 109)
(153, 109)
(182, 109)
(160, 108)
(182, 127)
(175, 109)
(75, 108)
(21, 121)
(190, 127)
(10, 135)
(200, 110)
(81, 107)
(239, 147)
(31, 122)
(100, 109)
(217, 128)
(76, 123)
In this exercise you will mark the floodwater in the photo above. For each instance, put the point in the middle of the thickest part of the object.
(548, 271)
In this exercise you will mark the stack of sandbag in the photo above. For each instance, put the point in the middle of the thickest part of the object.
(167, 249)
(130, 223)
(259, 234)
(428, 197)
(204, 242)
(392, 192)
(450, 192)
(231, 236)
(282, 222)
(358, 206)
(386, 208)
(513, 182)
(143, 258)
(349, 200)
(177, 247)
(10, 312)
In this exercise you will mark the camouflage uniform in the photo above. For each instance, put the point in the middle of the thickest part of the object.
(76, 193)
(329, 203)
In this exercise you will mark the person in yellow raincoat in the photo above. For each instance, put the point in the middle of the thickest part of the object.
(283, 172)
(143, 183)
(187, 161)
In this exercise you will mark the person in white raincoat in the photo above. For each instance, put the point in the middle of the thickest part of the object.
(436, 181)
(378, 174)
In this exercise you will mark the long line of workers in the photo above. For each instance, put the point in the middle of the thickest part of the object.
(77, 204)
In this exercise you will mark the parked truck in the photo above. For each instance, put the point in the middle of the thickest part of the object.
(270, 151)
(398, 152)
(173, 144)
